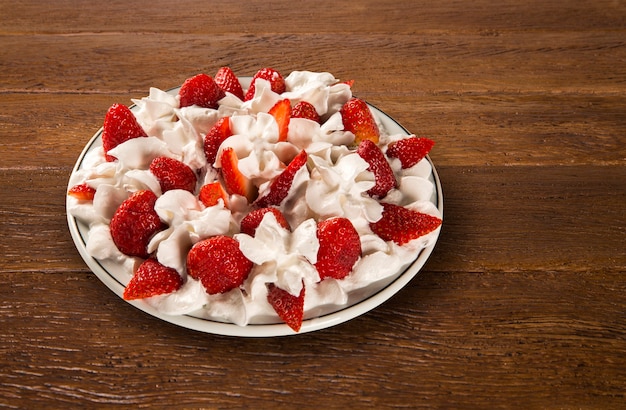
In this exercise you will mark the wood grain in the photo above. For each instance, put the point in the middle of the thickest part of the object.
(522, 303)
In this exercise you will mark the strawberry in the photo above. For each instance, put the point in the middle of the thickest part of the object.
(277, 82)
(211, 193)
(235, 182)
(173, 174)
(358, 119)
(226, 79)
(349, 83)
(340, 248)
(134, 223)
(200, 90)
(305, 109)
(120, 125)
(279, 187)
(218, 264)
(151, 279)
(281, 111)
(288, 307)
(214, 138)
(385, 179)
(250, 222)
(410, 151)
(402, 225)
(82, 192)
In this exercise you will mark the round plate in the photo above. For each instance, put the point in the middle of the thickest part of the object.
(106, 273)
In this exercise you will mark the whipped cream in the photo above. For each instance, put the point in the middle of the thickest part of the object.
(334, 184)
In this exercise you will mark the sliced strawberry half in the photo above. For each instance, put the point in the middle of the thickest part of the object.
(173, 174)
(235, 182)
(252, 220)
(219, 264)
(226, 79)
(134, 223)
(378, 165)
(358, 119)
(279, 187)
(281, 111)
(214, 138)
(402, 225)
(410, 151)
(340, 248)
(152, 279)
(200, 90)
(305, 109)
(120, 125)
(211, 193)
(288, 307)
(82, 192)
(276, 80)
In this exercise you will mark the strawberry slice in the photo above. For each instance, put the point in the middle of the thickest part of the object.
(279, 187)
(305, 109)
(151, 279)
(120, 125)
(281, 111)
(134, 223)
(340, 248)
(277, 82)
(358, 119)
(378, 165)
(218, 264)
(252, 220)
(288, 307)
(402, 225)
(235, 182)
(82, 192)
(410, 151)
(211, 193)
(173, 174)
(226, 79)
(200, 90)
(214, 138)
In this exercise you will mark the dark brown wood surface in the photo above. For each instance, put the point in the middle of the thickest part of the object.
(521, 305)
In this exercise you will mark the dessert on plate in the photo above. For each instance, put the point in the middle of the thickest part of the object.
(276, 199)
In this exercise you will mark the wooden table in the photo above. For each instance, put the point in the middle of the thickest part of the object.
(523, 302)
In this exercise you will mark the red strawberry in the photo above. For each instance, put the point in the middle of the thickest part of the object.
(120, 125)
(200, 90)
(279, 187)
(385, 179)
(151, 279)
(250, 222)
(173, 174)
(218, 264)
(211, 193)
(350, 83)
(358, 119)
(134, 223)
(340, 248)
(305, 109)
(235, 182)
(401, 225)
(281, 111)
(228, 82)
(288, 307)
(214, 138)
(410, 151)
(82, 192)
(277, 82)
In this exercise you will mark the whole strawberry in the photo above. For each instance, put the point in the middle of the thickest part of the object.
(340, 248)
(276, 80)
(134, 223)
(120, 125)
(305, 109)
(359, 120)
(200, 90)
(151, 279)
(378, 165)
(279, 187)
(410, 151)
(218, 264)
(252, 220)
(173, 174)
(402, 225)
(288, 307)
(226, 79)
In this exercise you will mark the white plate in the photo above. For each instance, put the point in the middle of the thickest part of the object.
(106, 274)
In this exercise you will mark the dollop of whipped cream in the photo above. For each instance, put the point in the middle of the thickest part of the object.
(332, 184)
